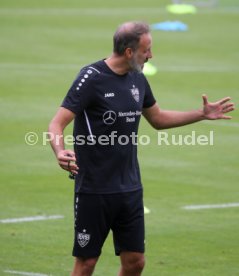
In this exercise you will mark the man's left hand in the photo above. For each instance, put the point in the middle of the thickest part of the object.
(217, 110)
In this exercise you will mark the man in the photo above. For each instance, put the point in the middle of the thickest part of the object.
(106, 101)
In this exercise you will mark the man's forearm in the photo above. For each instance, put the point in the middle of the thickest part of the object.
(56, 138)
(170, 119)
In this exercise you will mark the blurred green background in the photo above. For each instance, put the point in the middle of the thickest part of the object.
(43, 45)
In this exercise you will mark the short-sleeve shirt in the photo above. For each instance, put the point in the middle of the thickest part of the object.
(108, 108)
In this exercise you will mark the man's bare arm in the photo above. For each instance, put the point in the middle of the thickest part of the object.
(163, 119)
(66, 158)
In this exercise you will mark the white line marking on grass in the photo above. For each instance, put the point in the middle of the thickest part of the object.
(110, 12)
(104, 11)
(222, 123)
(28, 219)
(146, 210)
(196, 68)
(24, 273)
(210, 206)
(160, 67)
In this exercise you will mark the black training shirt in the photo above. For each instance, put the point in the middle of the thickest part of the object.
(108, 107)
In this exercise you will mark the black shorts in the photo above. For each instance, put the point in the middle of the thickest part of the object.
(96, 215)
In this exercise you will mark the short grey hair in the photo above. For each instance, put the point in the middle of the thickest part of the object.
(128, 35)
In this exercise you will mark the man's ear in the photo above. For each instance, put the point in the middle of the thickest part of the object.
(128, 53)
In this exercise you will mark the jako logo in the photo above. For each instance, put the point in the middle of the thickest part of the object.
(109, 95)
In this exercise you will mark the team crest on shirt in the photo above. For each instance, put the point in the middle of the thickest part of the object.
(135, 93)
(83, 238)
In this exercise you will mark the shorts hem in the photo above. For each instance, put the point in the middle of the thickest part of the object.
(117, 253)
(86, 256)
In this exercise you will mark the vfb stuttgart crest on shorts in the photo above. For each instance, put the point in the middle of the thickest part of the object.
(135, 93)
(83, 238)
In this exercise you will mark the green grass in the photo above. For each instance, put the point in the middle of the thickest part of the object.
(43, 45)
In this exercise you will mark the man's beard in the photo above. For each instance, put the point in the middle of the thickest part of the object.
(136, 66)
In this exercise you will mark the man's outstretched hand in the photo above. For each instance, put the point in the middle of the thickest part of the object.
(217, 110)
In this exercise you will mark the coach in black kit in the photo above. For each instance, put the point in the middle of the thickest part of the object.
(106, 102)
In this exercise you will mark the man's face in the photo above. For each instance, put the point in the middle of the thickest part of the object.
(142, 54)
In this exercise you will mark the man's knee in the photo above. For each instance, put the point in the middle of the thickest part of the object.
(84, 266)
(133, 263)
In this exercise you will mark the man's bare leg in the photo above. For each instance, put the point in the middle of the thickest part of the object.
(84, 267)
(132, 263)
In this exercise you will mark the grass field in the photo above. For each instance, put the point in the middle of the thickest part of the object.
(43, 44)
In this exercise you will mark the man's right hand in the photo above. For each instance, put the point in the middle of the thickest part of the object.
(66, 160)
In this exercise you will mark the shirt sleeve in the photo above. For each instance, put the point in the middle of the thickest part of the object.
(80, 95)
(149, 99)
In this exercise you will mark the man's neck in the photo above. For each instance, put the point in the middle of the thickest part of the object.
(117, 64)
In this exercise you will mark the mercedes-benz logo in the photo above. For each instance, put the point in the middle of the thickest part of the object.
(109, 117)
